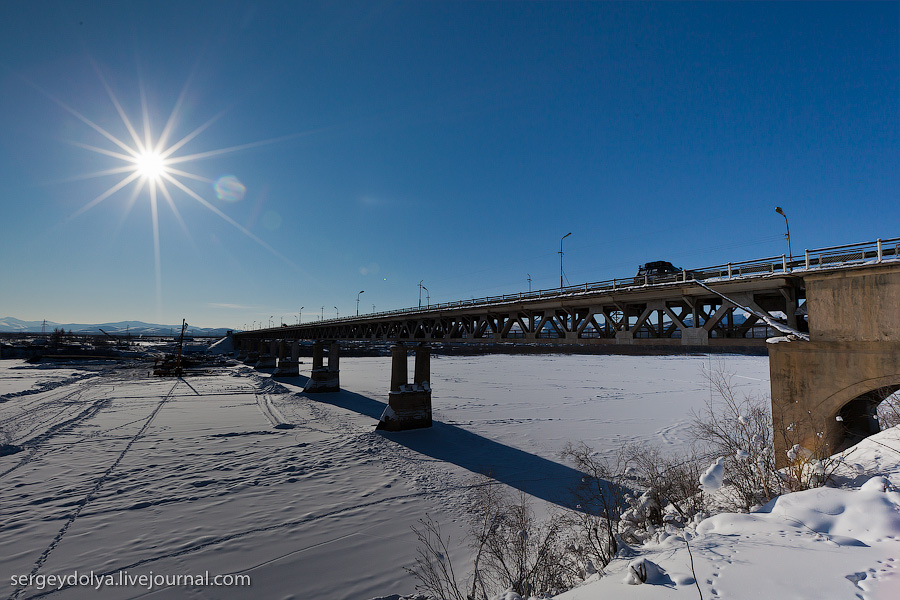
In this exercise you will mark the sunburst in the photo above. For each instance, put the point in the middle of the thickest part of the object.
(148, 164)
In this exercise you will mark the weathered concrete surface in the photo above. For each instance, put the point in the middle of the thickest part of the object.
(287, 367)
(813, 381)
(322, 378)
(855, 304)
(409, 406)
(851, 362)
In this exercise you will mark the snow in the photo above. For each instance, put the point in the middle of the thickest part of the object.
(233, 472)
(819, 543)
(17, 377)
(711, 480)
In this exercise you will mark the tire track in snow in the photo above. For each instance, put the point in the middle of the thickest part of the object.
(36, 442)
(91, 494)
(240, 534)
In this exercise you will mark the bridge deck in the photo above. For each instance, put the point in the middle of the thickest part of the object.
(665, 311)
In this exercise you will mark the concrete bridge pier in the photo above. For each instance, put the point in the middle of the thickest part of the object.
(409, 405)
(253, 355)
(267, 355)
(287, 367)
(241, 350)
(322, 378)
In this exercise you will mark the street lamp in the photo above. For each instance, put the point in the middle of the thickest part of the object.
(270, 320)
(357, 301)
(420, 292)
(788, 234)
(322, 318)
(300, 315)
(529, 282)
(560, 260)
(337, 313)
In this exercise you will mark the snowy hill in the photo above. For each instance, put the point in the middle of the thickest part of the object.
(819, 543)
(13, 325)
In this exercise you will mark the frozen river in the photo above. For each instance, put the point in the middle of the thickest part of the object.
(126, 473)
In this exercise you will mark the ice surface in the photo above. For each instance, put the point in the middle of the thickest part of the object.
(123, 471)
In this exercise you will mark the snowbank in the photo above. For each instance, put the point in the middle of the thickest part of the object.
(819, 543)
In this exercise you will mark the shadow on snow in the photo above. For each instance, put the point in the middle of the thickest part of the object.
(521, 470)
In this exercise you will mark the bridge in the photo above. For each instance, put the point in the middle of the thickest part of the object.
(837, 305)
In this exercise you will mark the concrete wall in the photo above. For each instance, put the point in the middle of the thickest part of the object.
(854, 319)
(813, 381)
(854, 304)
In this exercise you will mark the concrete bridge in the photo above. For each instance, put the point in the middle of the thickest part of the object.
(845, 297)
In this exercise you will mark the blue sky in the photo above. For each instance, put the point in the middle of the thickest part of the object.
(380, 144)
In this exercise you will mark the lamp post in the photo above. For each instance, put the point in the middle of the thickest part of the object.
(561, 260)
(300, 315)
(337, 313)
(357, 301)
(420, 292)
(529, 282)
(270, 320)
(788, 227)
(322, 318)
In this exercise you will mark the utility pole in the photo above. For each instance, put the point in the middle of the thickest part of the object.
(561, 260)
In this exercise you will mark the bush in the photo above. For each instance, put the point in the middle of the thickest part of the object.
(513, 551)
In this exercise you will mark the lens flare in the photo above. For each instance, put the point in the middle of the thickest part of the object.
(229, 189)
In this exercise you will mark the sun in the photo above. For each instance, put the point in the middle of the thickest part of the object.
(150, 165)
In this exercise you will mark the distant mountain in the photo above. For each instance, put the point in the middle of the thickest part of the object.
(13, 325)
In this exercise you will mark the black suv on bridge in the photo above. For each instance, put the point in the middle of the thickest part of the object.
(658, 270)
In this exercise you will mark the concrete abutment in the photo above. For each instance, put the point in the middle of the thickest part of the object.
(825, 391)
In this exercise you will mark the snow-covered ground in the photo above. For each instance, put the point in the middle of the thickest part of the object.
(124, 472)
(818, 544)
(17, 377)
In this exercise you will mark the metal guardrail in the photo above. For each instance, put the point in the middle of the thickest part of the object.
(812, 259)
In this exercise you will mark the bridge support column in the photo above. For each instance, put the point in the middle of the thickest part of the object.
(322, 378)
(409, 406)
(624, 337)
(267, 358)
(253, 355)
(694, 336)
(287, 367)
(242, 350)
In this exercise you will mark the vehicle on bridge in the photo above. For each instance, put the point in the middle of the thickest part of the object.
(656, 271)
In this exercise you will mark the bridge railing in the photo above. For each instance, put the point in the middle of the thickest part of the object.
(812, 259)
